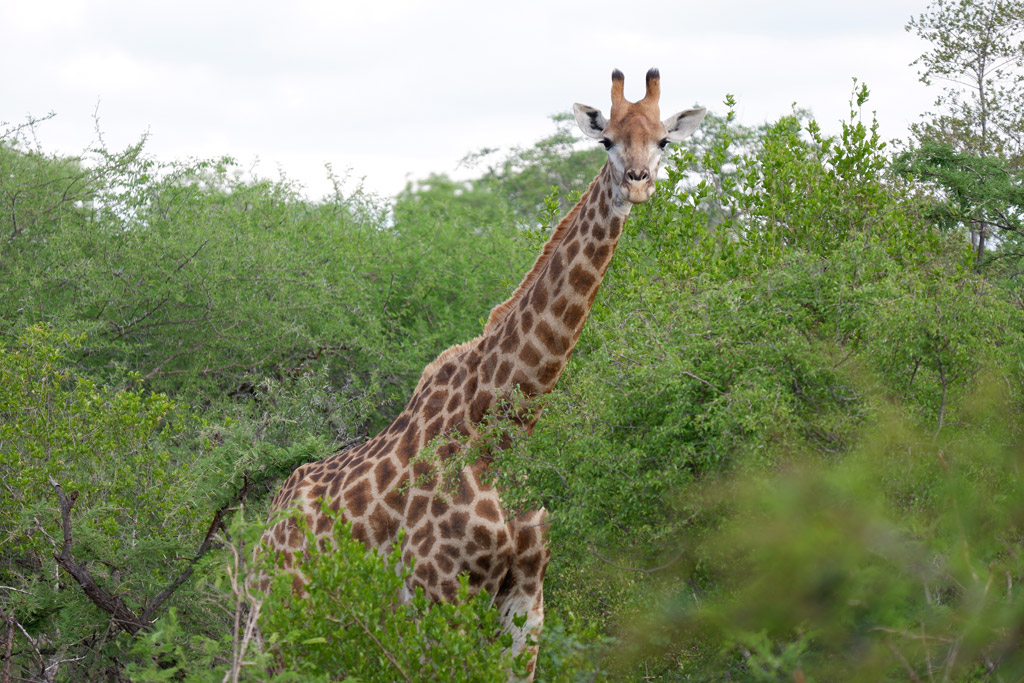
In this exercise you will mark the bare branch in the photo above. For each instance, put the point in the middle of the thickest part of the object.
(111, 604)
(216, 524)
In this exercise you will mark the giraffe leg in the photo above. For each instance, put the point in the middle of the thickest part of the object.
(522, 592)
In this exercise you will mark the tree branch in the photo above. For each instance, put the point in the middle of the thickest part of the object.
(391, 657)
(113, 605)
(215, 524)
(642, 570)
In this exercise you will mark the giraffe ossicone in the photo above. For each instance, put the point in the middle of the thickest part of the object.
(382, 487)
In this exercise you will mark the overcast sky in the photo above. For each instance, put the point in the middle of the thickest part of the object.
(395, 89)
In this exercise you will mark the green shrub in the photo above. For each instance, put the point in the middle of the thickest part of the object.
(352, 627)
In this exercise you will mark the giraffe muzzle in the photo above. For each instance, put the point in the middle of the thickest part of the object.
(638, 185)
(638, 191)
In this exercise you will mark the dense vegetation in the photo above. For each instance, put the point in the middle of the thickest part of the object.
(795, 413)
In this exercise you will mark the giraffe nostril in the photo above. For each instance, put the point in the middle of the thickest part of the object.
(637, 175)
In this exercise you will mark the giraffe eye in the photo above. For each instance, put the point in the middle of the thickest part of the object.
(608, 144)
(663, 144)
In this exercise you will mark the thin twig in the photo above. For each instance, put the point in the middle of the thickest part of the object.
(383, 649)
(701, 380)
(911, 674)
(642, 570)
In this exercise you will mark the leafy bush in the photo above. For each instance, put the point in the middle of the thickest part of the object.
(350, 627)
(902, 561)
(351, 624)
(118, 485)
(205, 282)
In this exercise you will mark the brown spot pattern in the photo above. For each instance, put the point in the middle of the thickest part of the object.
(357, 498)
(359, 533)
(396, 497)
(549, 373)
(553, 342)
(503, 372)
(581, 279)
(539, 299)
(479, 407)
(527, 321)
(529, 355)
(556, 265)
(510, 341)
(614, 227)
(386, 472)
(417, 508)
(573, 316)
(488, 510)
(488, 368)
(382, 524)
(482, 536)
(438, 507)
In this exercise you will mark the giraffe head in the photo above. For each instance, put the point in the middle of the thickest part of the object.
(635, 136)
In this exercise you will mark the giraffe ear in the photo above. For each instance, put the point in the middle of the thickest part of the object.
(591, 121)
(684, 123)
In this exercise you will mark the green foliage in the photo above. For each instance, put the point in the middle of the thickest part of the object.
(136, 511)
(58, 425)
(146, 475)
(41, 194)
(352, 624)
(351, 627)
(747, 326)
(738, 200)
(203, 281)
(970, 150)
(834, 571)
(983, 193)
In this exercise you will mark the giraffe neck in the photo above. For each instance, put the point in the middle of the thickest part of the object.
(537, 328)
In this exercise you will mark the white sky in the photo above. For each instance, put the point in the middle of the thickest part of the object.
(395, 89)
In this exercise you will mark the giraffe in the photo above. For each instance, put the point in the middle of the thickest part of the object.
(383, 487)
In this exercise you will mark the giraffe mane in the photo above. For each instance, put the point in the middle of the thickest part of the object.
(501, 311)
(442, 357)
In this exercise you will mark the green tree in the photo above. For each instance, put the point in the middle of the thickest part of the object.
(979, 191)
(977, 52)
(108, 542)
